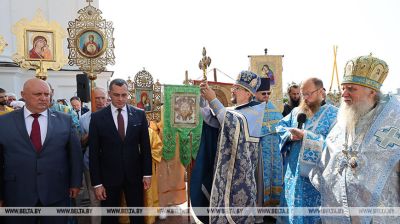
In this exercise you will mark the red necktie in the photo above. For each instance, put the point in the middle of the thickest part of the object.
(121, 124)
(35, 133)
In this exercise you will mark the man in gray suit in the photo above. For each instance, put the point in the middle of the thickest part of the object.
(40, 156)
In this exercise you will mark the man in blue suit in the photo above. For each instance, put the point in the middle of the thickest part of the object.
(76, 104)
(119, 152)
(40, 156)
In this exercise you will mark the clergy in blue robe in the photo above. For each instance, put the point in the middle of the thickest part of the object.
(360, 164)
(299, 151)
(269, 168)
(271, 157)
(234, 182)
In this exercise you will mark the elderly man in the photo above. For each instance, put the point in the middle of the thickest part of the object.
(298, 147)
(100, 97)
(40, 156)
(10, 98)
(234, 182)
(360, 164)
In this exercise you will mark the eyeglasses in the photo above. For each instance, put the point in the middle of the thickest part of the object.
(309, 94)
(266, 93)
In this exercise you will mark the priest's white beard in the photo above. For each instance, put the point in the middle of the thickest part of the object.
(349, 115)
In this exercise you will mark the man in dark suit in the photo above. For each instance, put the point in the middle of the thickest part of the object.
(40, 156)
(119, 152)
(76, 103)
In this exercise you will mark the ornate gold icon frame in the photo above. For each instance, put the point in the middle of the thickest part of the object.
(51, 33)
(143, 82)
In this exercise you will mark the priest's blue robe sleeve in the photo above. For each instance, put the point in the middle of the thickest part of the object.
(282, 128)
(208, 117)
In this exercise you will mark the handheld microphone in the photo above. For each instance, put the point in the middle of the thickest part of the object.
(301, 119)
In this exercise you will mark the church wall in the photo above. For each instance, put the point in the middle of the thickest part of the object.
(11, 11)
(61, 11)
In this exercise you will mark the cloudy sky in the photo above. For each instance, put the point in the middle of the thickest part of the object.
(167, 37)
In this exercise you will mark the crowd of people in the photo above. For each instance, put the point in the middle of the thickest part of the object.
(62, 148)
(311, 154)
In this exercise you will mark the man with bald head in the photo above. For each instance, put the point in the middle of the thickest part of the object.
(300, 131)
(40, 156)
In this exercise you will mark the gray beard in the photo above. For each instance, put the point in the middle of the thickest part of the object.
(349, 115)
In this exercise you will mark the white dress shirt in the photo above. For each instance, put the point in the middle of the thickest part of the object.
(42, 122)
(124, 113)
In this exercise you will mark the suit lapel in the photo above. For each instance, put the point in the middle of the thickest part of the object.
(51, 116)
(131, 120)
(108, 117)
(20, 123)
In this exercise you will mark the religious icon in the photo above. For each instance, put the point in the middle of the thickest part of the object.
(349, 69)
(184, 109)
(376, 74)
(266, 71)
(144, 99)
(91, 43)
(39, 45)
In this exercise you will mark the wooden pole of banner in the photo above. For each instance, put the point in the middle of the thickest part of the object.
(189, 174)
(92, 76)
(215, 75)
(335, 71)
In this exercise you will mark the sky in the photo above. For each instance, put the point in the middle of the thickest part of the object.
(166, 37)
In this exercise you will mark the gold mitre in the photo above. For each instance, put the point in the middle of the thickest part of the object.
(366, 71)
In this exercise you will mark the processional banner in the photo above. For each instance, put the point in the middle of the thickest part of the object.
(270, 66)
(182, 118)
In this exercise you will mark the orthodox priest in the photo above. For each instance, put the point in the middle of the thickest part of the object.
(299, 151)
(269, 168)
(360, 166)
(234, 182)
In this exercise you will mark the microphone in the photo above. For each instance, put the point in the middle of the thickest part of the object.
(301, 119)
